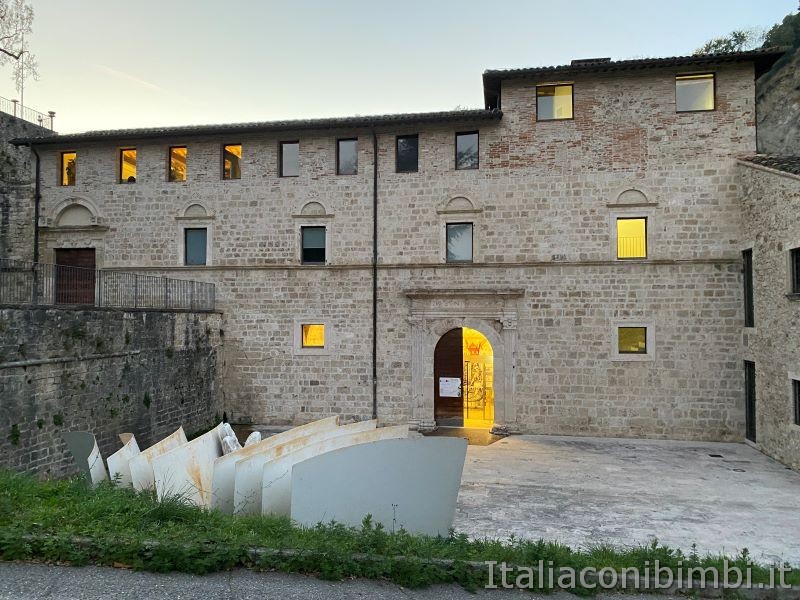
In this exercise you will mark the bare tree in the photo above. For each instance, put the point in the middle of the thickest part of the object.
(16, 21)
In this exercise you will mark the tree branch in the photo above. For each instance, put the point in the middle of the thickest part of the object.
(11, 54)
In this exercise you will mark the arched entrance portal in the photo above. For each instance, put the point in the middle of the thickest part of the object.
(463, 367)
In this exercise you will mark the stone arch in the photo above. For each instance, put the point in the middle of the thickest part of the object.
(313, 208)
(632, 196)
(195, 210)
(75, 212)
(458, 204)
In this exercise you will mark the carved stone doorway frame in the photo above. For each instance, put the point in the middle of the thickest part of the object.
(492, 312)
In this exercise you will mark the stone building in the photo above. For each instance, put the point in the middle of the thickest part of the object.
(566, 260)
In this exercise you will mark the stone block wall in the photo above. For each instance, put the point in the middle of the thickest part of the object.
(771, 214)
(104, 371)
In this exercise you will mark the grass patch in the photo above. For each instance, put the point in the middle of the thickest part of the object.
(42, 520)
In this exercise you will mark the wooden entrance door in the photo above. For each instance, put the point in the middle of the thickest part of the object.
(448, 365)
(74, 276)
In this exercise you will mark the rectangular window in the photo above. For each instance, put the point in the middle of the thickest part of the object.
(407, 160)
(347, 156)
(632, 237)
(553, 102)
(313, 251)
(290, 159)
(750, 400)
(749, 309)
(313, 335)
(69, 161)
(232, 161)
(195, 240)
(694, 92)
(467, 150)
(796, 400)
(127, 165)
(632, 340)
(794, 263)
(177, 163)
(459, 242)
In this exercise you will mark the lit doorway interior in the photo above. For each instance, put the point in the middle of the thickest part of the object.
(464, 380)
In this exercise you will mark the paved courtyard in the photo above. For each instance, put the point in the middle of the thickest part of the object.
(582, 491)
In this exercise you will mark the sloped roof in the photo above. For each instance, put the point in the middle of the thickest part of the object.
(787, 164)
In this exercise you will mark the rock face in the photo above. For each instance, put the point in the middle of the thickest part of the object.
(778, 102)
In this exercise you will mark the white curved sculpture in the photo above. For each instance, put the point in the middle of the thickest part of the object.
(83, 446)
(249, 471)
(119, 463)
(276, 488)
(142, 464)
(186, 471)
(224, 476)
(410, 483)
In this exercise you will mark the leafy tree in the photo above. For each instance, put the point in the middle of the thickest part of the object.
(16, 21)
(735, 41)
(786, 33)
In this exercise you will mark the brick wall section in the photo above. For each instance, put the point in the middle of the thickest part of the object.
(771, 203)
(16, 189)
(544, 200)
(115, 371)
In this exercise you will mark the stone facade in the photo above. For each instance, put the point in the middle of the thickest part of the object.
(771, 214)
(545, 286)
(104, 371)
(16, 189)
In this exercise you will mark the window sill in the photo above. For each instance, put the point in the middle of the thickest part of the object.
(794, 296)
(632, 358)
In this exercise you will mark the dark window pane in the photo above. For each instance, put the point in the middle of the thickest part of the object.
(796, 394)
(313, 244)
(794, 257)
(632, 340)
(195, 252)
(407, 153)
(694, 92)
(749, 310)
(467, 150)
(232, 161)
(290, 159)
(750, 400)
(553, 102)
(347, 157)
(459, 242)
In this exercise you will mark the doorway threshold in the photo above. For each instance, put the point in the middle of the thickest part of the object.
(474, 436)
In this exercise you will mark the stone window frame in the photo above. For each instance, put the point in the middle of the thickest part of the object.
(297, 347)
(309, 219)
(794, 376)
(791, 292)
(194, 222)
(650, 340)
(459, 208)
(633, 212)
(751, 245)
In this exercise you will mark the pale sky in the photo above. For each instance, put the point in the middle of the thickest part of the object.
(108, 64)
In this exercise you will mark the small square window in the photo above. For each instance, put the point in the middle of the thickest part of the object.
(694, 92)
(553, 102)
(459, 242)
(177, 163)
(796, 400)
(232, 161)
(313, 242)
(313, 335)
(195, 240)
(347, 156)
(467, 150)
(290, 159)
(631, 237)
(69, 162)
(632, 340)
(407, 160)
(127, 165)
(794, 263)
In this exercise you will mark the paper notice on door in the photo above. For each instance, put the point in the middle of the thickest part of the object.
(450, 387)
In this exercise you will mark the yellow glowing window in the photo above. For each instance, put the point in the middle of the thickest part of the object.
(68, 164)
(177, 163)
(553, 102)
(232, 161)
(632, 238)
(694, 92)
(314, 336)
(632, 340)
(127, 165)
